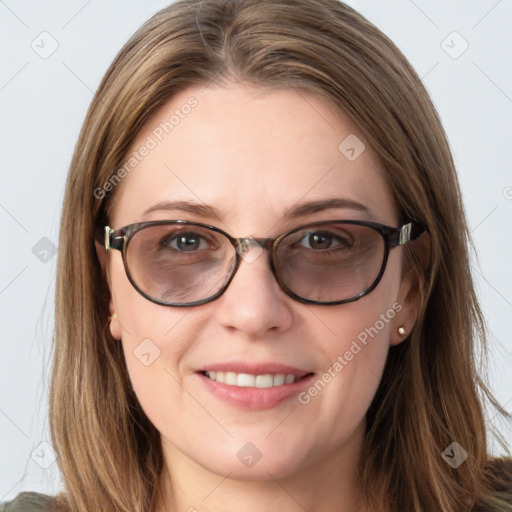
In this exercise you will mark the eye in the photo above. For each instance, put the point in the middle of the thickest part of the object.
(323, 240)
(185, 242)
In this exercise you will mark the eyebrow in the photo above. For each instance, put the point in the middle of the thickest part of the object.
(311, 207)
(299, 210)
(202, 210)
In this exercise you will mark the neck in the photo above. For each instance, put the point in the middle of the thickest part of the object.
(330, 484)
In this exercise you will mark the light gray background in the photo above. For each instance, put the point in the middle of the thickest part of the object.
(43, 102)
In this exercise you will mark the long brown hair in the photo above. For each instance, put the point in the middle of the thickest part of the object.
(432, 392)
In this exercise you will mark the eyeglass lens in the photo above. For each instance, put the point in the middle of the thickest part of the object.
(179, 264)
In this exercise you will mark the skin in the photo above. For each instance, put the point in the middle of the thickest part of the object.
(253, 153)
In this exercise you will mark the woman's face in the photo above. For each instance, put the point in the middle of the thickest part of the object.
(253, 155)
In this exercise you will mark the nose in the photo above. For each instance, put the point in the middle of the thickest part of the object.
(254, 303)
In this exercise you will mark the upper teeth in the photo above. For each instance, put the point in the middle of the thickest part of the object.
(246, 380)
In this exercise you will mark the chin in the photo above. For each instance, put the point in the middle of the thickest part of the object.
(256, 461)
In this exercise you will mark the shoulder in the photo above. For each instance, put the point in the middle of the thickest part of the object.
(30, 502)
(502, 469)
(500, 473)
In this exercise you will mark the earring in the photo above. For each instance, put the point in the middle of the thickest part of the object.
(401, 331)
(112, 317)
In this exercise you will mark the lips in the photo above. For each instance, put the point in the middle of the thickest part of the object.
(259, 375)
(254, 386)
(247, 380)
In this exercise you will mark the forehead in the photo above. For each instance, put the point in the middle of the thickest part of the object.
(251, 154)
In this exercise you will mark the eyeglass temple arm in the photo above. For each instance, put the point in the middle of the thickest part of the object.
(407, 233)
(104, 237)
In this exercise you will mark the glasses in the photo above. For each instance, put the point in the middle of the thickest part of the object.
(182, 263)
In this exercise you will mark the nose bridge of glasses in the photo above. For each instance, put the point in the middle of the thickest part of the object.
(244, 245)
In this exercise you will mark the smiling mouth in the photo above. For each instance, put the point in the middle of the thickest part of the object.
(246, 380)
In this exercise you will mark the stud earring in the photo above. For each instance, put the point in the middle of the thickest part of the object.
(112, 317)
(401, 331)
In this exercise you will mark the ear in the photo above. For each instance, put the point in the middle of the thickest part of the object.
(114, 325)
(407, 308)
(410, 293)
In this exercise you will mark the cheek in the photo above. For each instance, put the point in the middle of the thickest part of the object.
(354, 356)
(355, 347)
(153, 341)
(139, 318)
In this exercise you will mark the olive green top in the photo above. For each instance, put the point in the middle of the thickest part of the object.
(29, 502)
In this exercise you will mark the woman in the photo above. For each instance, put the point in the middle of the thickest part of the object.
(264, 298)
